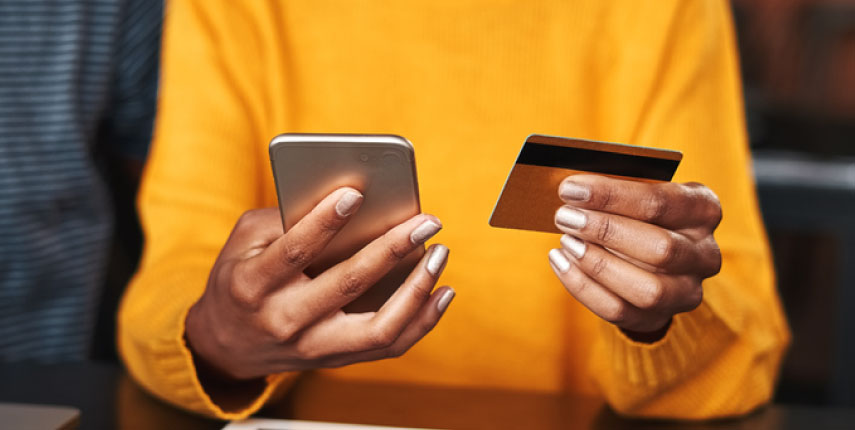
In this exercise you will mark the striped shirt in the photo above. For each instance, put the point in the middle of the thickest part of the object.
(77, 78)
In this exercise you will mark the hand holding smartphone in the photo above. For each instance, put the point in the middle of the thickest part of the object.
(307, 167)
(343, 284)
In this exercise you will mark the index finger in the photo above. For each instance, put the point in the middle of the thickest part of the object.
(666, 204)
(292, 252)
(344, 282)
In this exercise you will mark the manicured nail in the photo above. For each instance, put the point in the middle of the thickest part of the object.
(442, 303)
(348, 203)
(424, 231)
(559, 260)
(573, 191)
(573, 245)
(570, 218)
(436, 260)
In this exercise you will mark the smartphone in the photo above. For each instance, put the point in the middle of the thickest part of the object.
(308, 167)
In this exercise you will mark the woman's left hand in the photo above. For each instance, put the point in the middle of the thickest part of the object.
(635, 253)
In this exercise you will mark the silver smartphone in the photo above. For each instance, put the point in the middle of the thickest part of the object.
(308, 167)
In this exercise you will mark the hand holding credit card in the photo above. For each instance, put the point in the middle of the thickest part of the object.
(636, 247)
(529, 199)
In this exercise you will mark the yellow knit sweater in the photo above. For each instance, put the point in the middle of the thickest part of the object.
(466, 81)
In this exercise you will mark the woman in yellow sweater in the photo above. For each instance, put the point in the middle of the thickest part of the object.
(465, 81)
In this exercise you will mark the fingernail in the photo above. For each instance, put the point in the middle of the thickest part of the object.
(573, 245)
(559, 260)
(573, 191)
(436, 260)
(348, 203)
(424, 231)
(443, 302)
(570, 218)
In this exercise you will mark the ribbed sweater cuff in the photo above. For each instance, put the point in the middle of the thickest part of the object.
(692, 339)
(174, 362)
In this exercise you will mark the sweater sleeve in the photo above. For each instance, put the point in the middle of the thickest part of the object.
(203, 166)
(722, 358)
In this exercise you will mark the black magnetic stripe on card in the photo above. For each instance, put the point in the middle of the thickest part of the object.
(588, 160)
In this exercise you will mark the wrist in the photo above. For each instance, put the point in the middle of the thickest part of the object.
(648, 336)
(194, 335)
(202, 344)
(228, 392)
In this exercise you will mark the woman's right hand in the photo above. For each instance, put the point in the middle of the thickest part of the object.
(260, 314)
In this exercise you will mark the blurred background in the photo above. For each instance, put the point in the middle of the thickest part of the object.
(798, 66)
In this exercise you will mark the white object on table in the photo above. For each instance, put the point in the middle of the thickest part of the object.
(272, 424)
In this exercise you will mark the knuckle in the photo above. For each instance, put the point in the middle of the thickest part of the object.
(715, 214)
(397, 251)
(653, 295)
(695, 297)
(248, 218)
(615, 313)
(708, 204)
(665, 250)
(598, 265)
(281, 329)
(241, 287)
(244, 296)
(695, 190)
(421, 294)
(606, 198)
(715, 258)
(655, 206)
(351, 285)
(307, 352)
(605, 230)
(421, 291)
(296, 256)
(380, 337)
(713, 198)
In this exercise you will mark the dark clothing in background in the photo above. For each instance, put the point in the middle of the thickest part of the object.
(78, 82)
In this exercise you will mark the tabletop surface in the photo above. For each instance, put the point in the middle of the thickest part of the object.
(108, 399)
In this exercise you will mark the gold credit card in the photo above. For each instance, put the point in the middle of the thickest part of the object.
(529, 198)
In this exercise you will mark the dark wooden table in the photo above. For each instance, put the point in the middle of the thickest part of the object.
(108, 399)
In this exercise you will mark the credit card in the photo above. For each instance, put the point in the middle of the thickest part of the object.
(529, 198)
